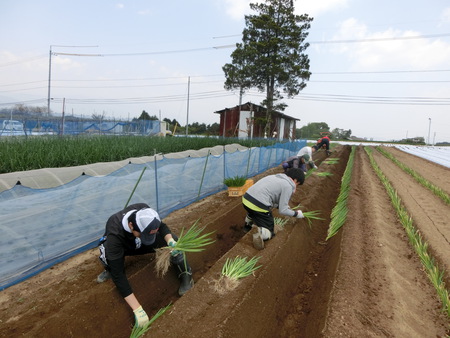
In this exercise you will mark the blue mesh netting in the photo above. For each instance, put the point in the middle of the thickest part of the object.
(41, 227)
(138, 127)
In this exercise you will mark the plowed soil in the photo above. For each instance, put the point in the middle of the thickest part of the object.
(364, 282)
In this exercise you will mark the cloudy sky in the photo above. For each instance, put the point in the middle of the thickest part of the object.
(380, 68)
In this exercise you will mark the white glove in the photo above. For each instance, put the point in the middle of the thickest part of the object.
(300, 214)
(315, 167)
(140, 316)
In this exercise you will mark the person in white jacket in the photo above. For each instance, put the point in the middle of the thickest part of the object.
(307, 151)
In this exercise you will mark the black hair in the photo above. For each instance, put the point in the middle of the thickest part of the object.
(132, 219)
(315, 147)
(296, 173)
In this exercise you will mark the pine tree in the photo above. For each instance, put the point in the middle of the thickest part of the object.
(271, 56)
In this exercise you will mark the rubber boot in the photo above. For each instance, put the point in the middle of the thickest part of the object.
(258, 242)
(184, 273)
(248, 224)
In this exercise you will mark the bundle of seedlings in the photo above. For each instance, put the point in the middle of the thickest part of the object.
(139, 331)
(233, 270)
(236, 181)
(310, 215)
(191, 241)
(279, 223)
(324, 173)
(331, 160)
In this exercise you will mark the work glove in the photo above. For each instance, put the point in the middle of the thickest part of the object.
(172, 243)
(140, 317)
(300, 214)
(315, 167)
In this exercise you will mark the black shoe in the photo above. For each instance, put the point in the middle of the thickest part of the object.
(187, 282)
(103, 277)
(247, 228)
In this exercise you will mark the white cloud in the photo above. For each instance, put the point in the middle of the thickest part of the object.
(236, 9)
(120, 6)
(395, 50)
(313, 8)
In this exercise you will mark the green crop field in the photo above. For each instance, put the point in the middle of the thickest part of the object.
(27, 153)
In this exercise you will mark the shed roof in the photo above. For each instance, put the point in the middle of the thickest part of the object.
(246, 106)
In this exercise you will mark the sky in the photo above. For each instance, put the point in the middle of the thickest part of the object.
(379, 68)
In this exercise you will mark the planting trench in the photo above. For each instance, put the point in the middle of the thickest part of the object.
(359, 283)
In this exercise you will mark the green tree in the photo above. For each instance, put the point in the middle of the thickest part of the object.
(146, 116)
(213, 129)
(341, 134)
(312, 130)
(271, 56)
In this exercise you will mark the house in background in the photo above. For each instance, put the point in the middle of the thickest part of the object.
(249, 120)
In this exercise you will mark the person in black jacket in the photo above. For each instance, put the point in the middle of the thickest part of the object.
(298, 162)
(137, 230)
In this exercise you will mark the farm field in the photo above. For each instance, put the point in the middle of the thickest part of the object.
(366, 281)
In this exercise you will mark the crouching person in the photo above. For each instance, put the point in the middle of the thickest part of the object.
(273, 191)
(137, 230)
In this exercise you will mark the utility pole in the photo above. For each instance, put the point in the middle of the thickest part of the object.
(49, 79)
(50, 68)
(62, 119)
(187, 113)
(429, 129)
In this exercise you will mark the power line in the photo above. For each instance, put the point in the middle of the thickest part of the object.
(220, 75)
(383, 72)
(430, 36)
(382, 39)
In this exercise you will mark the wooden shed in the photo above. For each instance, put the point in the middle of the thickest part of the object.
(249, 120)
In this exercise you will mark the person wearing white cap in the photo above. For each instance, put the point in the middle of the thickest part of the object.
(137, 230)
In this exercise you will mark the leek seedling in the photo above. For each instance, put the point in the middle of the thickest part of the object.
(191, 241)
(279, 223)
(312, 215)
(139, 331)
(237, 181)
(235, 269)
(330, 162)
(324, 173)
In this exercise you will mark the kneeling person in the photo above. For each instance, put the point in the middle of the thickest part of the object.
(273, 191)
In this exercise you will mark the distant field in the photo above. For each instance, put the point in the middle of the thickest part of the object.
(20, 153)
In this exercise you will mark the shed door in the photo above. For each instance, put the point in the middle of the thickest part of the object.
(244, 123)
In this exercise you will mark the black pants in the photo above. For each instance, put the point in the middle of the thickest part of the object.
(262, 219)
(325, 142)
